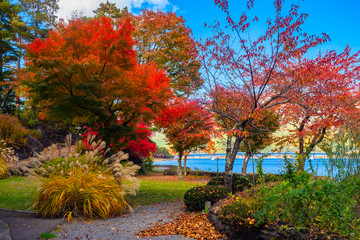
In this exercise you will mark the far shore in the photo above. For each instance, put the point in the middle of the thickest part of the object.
(162, 159)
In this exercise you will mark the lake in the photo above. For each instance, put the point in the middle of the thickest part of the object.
(272, 164)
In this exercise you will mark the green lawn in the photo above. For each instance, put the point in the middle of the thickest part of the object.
(17, 192)
(156, 191)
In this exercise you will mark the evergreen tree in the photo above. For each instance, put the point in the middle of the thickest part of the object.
(41, 16)
(8, 53)
(108, 10)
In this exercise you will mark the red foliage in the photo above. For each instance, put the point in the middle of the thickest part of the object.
(87, 71)
(186, 125)
(137, 142)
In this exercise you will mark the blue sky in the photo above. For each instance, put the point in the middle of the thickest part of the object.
(340, 19)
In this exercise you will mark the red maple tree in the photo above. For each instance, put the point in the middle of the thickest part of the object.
(325, 95)
(86, 71)
(187, 126)
(249, 65)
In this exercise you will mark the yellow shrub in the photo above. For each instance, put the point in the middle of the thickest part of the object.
(13, 131)
(83, 193)
(4, 171)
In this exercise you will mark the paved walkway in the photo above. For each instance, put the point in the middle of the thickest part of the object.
(26, 226)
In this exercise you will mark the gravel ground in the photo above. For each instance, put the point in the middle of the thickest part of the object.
(123, 227)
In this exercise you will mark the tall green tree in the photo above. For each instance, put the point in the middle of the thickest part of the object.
(108, 10)
(40, 15)
(8, 54)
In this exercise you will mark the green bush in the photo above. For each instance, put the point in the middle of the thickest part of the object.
(312, 203)
(82, 194)
(196, 197)
(146, 166)
(239, 182)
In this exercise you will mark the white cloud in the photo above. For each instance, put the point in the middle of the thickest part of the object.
(67, 7)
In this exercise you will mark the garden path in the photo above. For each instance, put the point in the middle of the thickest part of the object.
(123, 227)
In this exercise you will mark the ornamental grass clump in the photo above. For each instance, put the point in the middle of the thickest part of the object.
(8, 160)
(84, 184)
(4, 171)
(82, 194)
(196, 197)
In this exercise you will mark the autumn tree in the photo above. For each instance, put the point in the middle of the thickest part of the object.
(87, 72)
(325, 97)
(162, 38)
(249, 65)
(258, 135)
(187, 126)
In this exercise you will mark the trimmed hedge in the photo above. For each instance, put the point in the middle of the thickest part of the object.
(239, 182)
(196, 197)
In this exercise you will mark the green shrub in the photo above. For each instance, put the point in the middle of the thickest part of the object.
(196, 197)
(83, 193)
(239, 182)
(311, 203)
(147, 165)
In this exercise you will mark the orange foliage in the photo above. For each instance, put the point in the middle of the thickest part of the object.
(87, 70)
(192, 225)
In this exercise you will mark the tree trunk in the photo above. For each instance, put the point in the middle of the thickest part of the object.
(245, 163)
(304, 154)
(179, 168)
(231, 153)
(301, 157)
(185, 170)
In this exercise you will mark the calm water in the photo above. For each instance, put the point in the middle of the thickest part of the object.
(272, 164)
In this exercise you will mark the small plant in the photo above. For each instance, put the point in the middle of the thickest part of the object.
(289, 170)
(239, 182)
(82, 193)
(196, 197)
(47, 236)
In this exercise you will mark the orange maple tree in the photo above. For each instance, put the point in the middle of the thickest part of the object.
(86, 71)
(163, 38)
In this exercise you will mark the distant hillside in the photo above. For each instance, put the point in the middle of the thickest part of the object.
(160, 140)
